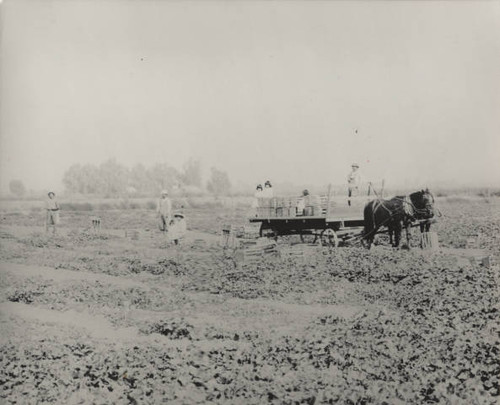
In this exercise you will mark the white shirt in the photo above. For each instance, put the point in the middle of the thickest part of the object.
(268, 192)
(257, 196)
(164, 207)
(354, 178)
(51, 204)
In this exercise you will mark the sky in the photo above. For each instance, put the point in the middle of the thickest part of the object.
(292, 91)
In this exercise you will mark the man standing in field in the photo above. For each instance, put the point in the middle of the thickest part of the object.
(353, 182)
(52, 207)
(164, 210)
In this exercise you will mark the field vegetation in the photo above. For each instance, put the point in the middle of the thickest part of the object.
(100, 317)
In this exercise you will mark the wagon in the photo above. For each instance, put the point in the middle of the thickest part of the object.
(328, 220)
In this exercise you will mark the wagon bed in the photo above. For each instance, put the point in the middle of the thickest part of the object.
(339, 222)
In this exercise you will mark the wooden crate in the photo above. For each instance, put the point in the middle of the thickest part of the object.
(254, 250)
(429, 241)
(266, 212)
(132, 234)
(484, 261)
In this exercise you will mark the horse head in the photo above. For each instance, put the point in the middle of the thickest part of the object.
(423, 201)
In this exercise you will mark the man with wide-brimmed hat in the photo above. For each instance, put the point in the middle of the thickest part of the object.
(353, 182)
(164, 210)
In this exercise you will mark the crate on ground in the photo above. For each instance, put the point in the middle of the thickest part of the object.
(251, 231)
(132, 234)
(429, 241)
(473, 241)
(254, 251)
(484, 261)
(231, 235)
(228, 236)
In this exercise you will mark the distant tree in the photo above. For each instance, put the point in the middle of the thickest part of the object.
(163, 176)
(114, 177)
(219, 183)
(140, 180)
(83, 179)
(17, 188)
(73, 179)
(91, 181)
(191, 175)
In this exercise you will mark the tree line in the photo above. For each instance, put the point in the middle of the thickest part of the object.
(112, 178)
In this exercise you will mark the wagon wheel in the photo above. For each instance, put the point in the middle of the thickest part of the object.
(311, 238)
(266, 232)
(329, 238)
(261, 229)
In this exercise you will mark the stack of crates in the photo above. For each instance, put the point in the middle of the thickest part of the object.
(290, 207)
(324, 205)
(279, 204)
(313, 206)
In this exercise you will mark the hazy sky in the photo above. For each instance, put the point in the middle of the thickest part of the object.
(267, 89)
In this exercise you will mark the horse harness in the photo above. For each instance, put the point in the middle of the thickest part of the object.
(408, 209)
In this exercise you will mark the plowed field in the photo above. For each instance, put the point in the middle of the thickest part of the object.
(104, 318)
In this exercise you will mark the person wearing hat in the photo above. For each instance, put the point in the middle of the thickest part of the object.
(353, 182)
(268, 191)
(257, 197)
(164, 210)
(52, 207)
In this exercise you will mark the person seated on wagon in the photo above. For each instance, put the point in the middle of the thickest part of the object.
(301, 202)
(353, 182)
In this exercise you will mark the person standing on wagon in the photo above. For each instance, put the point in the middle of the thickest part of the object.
(268, 191)
(256, 200)
(164, 210)
(52, 207)
(353, 182)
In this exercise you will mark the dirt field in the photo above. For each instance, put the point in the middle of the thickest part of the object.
(104, 318)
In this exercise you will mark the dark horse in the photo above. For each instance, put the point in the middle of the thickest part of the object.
(398, 212)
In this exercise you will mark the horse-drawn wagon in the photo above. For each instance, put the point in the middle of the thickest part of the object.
(331, 219)
(327, 219)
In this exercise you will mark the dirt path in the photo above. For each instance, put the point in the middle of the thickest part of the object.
(96, 325)
(206, 312)
(22, 270)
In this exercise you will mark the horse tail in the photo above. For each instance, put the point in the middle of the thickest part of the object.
(369, 226)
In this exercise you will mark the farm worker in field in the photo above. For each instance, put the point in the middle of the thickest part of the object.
(52, 207)
(177, 228)
(164, 210)
(353, 182)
